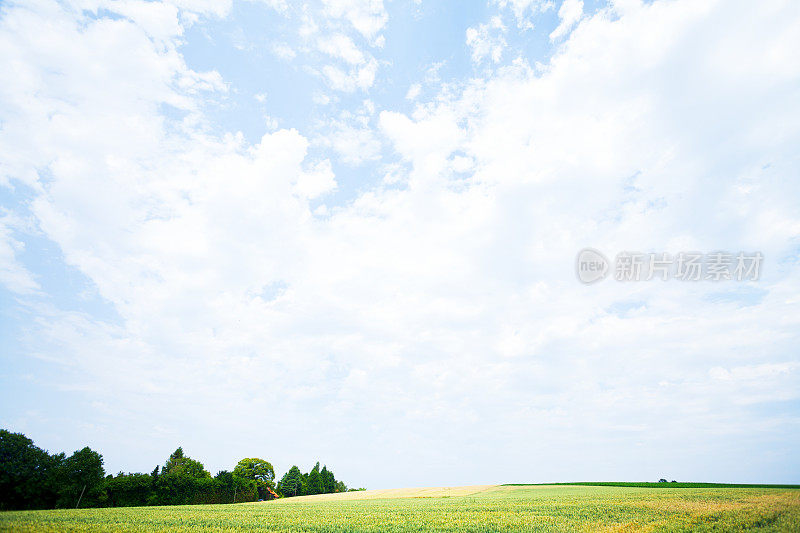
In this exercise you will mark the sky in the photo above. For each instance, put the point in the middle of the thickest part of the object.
(346, 231)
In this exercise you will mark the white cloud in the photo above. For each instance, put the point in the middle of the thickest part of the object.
(428, 141)
(344, 31)
(159, 20)
(368, 17)
(413, 91)
(217, 8)
(360, 68)
(271, 123)
(352, 138)
(569, 14)
(281, 6)
(321, 99)
(13, 275)
(358, 77)
(236, 293)
(341, 46)
(639, 96)
(523, 10)
(284, 51)
(753, 372)
(318, 180)
(487, 40)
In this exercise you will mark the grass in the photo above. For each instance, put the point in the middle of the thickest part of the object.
(492, 508)
(668, 485)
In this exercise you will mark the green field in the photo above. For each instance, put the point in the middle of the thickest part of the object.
(487, 508)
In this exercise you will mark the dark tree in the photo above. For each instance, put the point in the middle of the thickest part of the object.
(31, 478)
(182, 465)
(80, 478)
(328, 480)
(314, 481)
(26, 473)
(125, 490)
(258, 470)
(291, 484)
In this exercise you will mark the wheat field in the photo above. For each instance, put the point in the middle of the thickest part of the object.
(474, 508)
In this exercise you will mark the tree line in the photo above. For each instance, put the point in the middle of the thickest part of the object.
(31, 478)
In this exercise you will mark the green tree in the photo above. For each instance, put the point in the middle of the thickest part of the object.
(26, 473)
(125, 490)
(291, 484)
(234, 487)
(258, 470)
(328, 480)
(314, 481)
(80, 477)
(183, 465)
(181, 481)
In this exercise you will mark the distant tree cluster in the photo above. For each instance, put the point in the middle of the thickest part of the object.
(31, 478)
(295, 483)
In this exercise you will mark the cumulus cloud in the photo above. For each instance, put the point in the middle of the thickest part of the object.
(615, 167)
(318, 180)
(441, 303)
